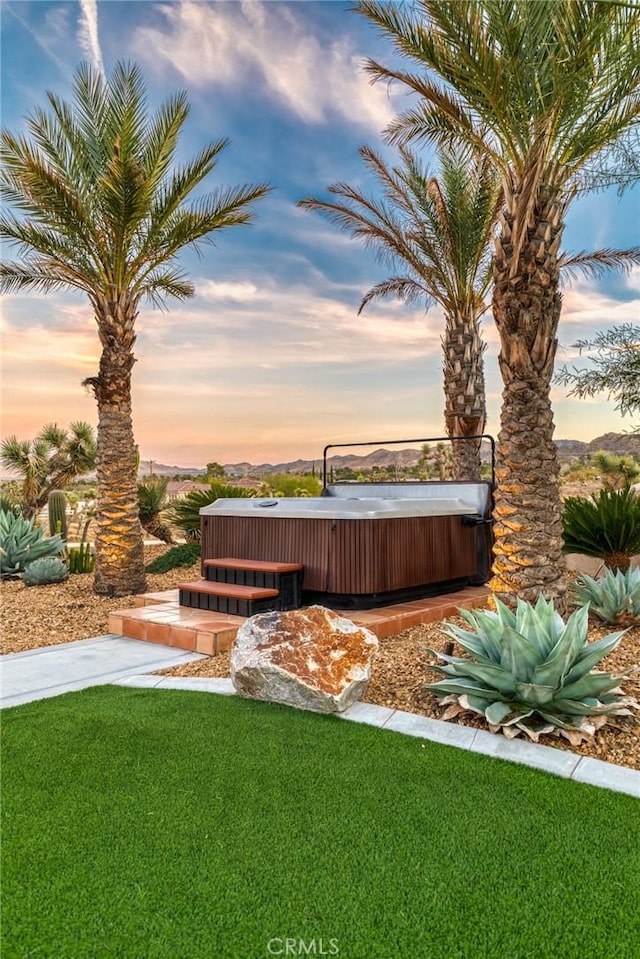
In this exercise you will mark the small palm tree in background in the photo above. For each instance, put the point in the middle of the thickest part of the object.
(101, 207)
(50, 461)
(438, 229)
(152, 500)
(185, 512)
(542, 90)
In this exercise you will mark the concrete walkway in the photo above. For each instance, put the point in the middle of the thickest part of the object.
(52, 670)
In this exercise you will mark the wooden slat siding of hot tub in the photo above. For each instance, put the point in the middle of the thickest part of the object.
(399, 553)
(350, 556)
(272, 539)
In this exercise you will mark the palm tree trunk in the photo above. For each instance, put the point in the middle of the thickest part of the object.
(526, 303)
(159, 530)
(119, 567)
(464, 390)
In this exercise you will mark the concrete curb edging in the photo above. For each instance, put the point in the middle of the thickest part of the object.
(558, 762)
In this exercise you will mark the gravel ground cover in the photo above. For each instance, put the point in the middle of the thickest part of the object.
(44, 616)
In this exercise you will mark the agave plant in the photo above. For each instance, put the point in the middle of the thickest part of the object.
(615, 598)
(21, 542)
(529, 672)
(45, 571)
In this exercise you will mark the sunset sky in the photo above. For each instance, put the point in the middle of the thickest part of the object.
(269, 361)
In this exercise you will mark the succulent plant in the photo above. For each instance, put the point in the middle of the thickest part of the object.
(607, 526)
(21, 542)
(44, 571)
(615, 598)
(529, 672)
(81, 559)
(57, 508)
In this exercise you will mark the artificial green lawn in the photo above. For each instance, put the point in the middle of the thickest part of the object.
(145, 823)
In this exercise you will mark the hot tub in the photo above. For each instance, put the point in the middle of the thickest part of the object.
(362, 545)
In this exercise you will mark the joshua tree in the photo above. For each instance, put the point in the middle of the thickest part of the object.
(542, 89)
(616, 472)
(101, 208)
(50, 461)
(439, 230)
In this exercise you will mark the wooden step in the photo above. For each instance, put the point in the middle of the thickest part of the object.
(259, 574)
(253, 564)
(229, 589)
(228, 597)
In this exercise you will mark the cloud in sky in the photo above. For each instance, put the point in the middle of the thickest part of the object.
(269, 360)
(253, 45)
(88, 33)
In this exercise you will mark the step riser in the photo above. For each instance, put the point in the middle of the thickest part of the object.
(289, 585)
(228, 604)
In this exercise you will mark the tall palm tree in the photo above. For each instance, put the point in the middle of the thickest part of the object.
(542, 89)
(50, 461)
(439, 229)
(101, 207)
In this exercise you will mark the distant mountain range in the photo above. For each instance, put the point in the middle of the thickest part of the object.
(619, 443)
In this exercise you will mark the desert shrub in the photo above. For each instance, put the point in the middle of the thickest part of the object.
(288, 484)
(185, 555)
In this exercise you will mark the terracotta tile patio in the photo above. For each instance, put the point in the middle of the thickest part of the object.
(158, 618)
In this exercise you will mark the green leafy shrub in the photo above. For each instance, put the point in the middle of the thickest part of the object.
(81, 559)
(529, 672)
(606, 525)
(615, 598)
(185, 555)
(44, 571)
(289, 484)
(185, 512)
(21, 542)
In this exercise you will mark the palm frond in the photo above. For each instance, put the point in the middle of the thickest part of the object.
(541, 88)
(404, 288)
(597, 263)
(99, 202)
(440, 228)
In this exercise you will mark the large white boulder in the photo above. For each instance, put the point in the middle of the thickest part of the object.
(310, 658)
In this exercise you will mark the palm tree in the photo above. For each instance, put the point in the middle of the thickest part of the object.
(101, 208)
(542, 89)
(152, 500)
(439, 229)
(50, 461)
